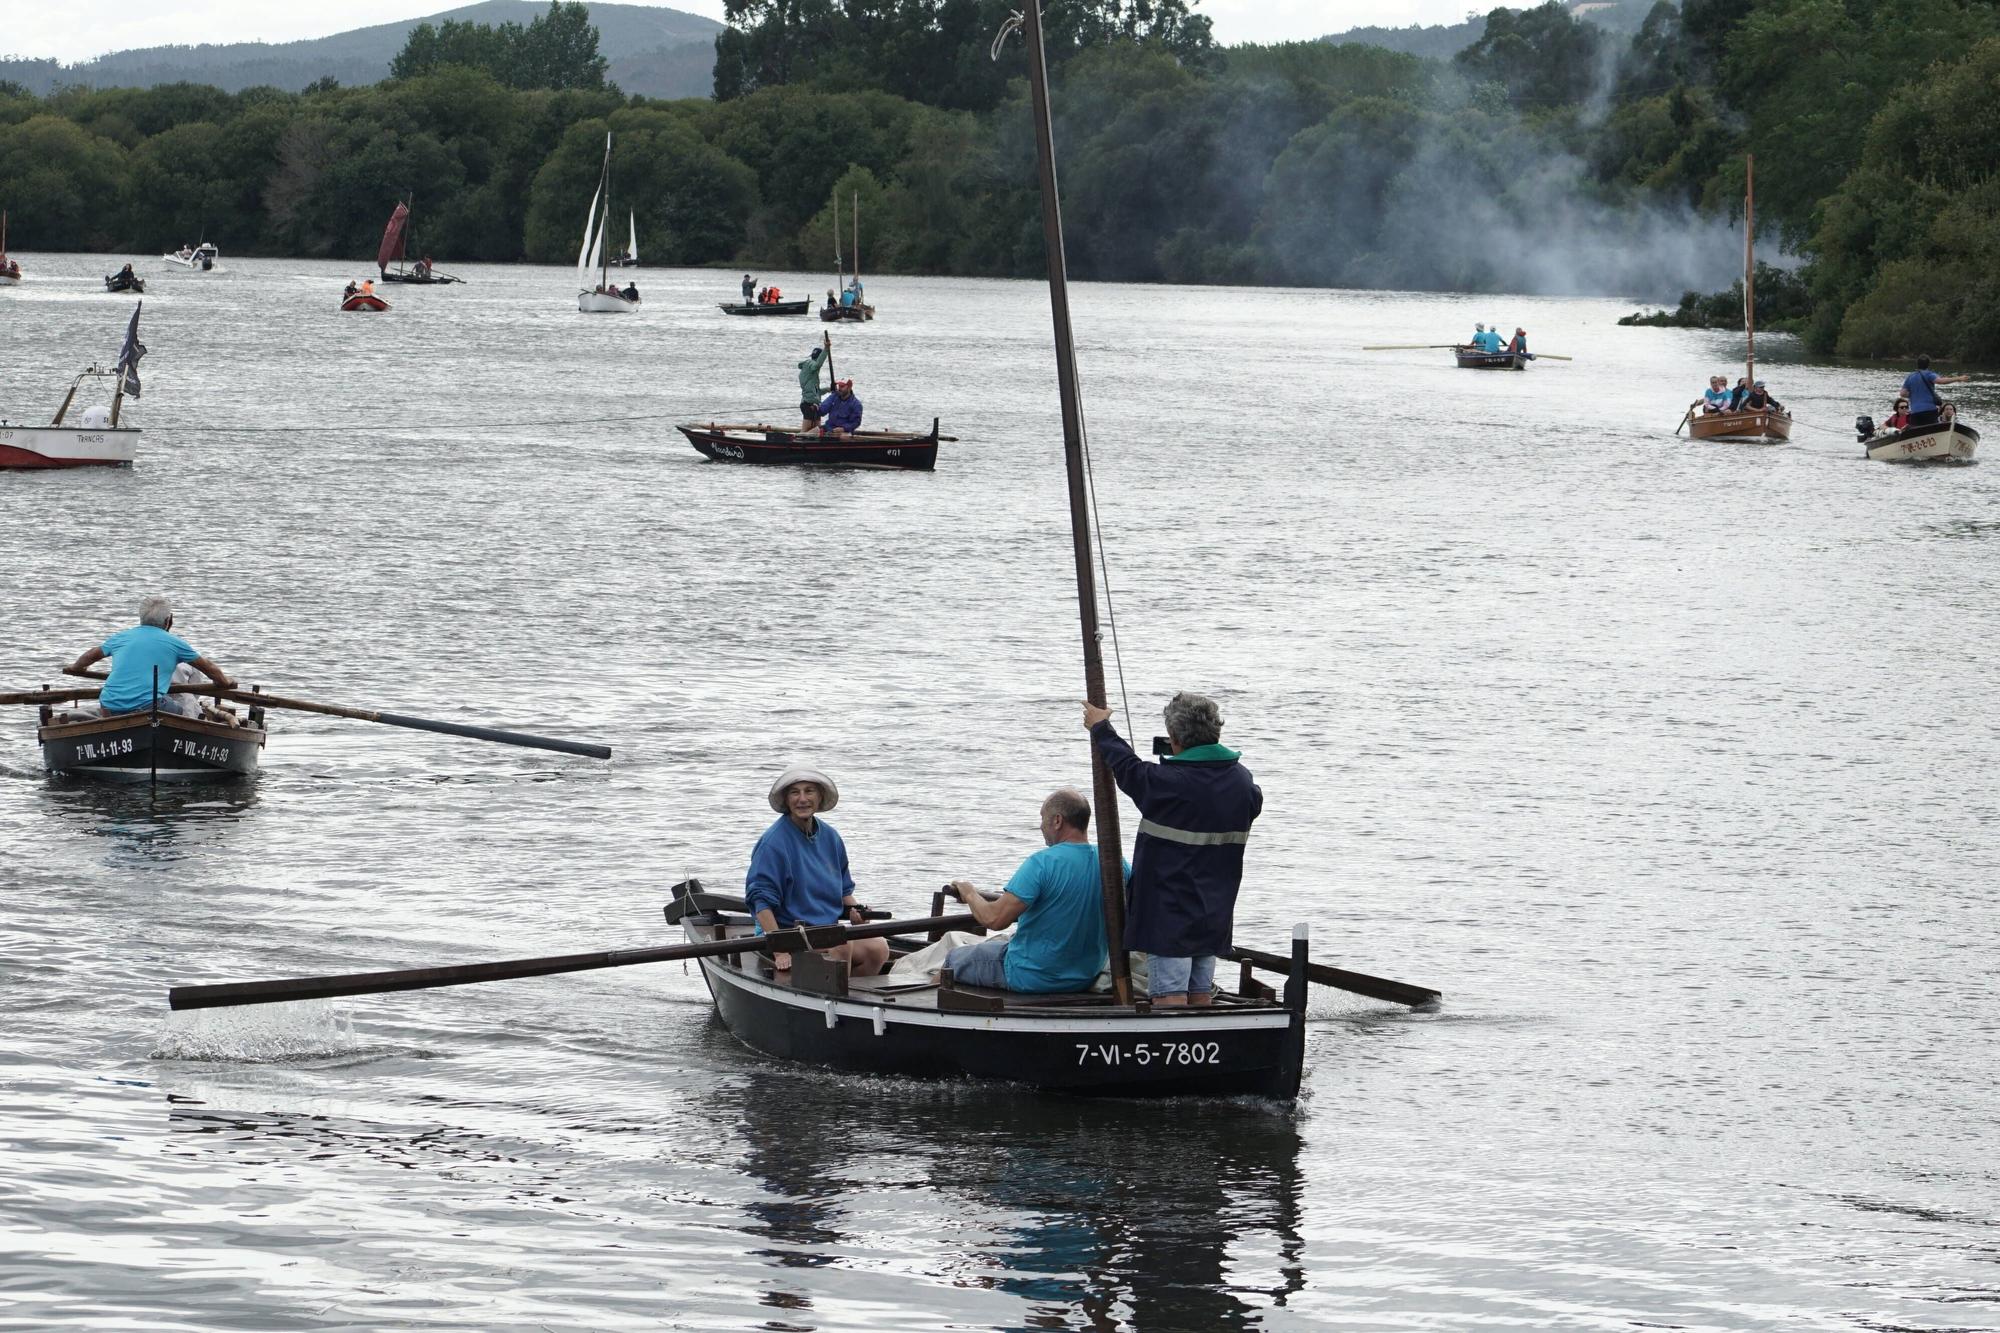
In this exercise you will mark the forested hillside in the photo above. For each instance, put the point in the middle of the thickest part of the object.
(1549, 155)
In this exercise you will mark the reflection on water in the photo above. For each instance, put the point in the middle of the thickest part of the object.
(163, 821)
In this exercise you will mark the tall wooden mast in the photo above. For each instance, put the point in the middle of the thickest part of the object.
(1111, 861)
(1750, 268)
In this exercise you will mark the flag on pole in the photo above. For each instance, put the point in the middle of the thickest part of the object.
(129, 354)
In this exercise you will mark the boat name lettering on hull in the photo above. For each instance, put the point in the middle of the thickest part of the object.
(90, 751)
(208, 754)
(1149, 1052)
(729, 450)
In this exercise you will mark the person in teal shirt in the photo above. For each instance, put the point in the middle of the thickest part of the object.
(143, 658)
(809, 394)
(1058, 947)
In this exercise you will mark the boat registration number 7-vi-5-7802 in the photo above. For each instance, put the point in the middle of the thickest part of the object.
(1146, 1052)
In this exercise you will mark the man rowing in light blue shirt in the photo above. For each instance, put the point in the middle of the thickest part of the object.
(143, 659)
(1058, 948)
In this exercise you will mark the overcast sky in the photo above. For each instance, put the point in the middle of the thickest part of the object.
(92, 27)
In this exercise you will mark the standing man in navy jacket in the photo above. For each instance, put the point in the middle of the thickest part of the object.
(1195, 812)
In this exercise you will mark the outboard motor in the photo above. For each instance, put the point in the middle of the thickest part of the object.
(1864, 426)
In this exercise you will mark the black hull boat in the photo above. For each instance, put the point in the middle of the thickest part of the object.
(117, 283)
(141, 747)
(414, 279)
(1469, 359)
(1248, 1043)
(765, 307)
(765, 444)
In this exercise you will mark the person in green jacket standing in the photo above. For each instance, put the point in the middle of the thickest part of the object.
(809, 390)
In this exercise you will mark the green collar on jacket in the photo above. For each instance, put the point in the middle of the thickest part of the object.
(1206, 754)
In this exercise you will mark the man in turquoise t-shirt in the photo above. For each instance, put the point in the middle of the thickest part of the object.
(1059, 945)
(145, 656)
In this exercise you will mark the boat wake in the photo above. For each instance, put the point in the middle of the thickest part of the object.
(269, 1034)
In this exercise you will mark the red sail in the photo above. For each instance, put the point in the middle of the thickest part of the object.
(392, 236)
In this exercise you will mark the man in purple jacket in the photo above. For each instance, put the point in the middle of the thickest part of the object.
(1195, 812)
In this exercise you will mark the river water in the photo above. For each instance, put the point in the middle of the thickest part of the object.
(1669, 763)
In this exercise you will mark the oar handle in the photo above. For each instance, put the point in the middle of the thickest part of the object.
(1358, 983)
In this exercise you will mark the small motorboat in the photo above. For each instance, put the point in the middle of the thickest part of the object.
(793, 448)
(1471, 358)
(765, 307)
(126, 281)
(355, 299)
(1935, 442)
(154, 745)
(203, 258)
(93, 437)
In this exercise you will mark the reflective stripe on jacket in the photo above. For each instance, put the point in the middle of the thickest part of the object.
(1195, 813)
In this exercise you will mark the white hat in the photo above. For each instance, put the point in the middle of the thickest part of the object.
(829, 795)
(1480, 327)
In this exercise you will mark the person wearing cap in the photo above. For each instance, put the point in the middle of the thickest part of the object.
(1478, 342)
(1058, 947)
(1926, 408)
(1758, 400)
(798, 871)
(749, 289)
(840, 411)
(145, 657)
(809, 391)
(1195, 812)
(1519, 347)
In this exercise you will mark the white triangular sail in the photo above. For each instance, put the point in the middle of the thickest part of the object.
(632, 245)
(597, 243)
(583, 259)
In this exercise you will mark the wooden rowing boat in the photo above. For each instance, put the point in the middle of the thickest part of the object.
(1247, 1042)
(1471, 358)
(791, 448)
(154, 745)
(765, 307)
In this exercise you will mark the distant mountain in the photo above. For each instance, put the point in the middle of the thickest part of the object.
(1445, 40)
(654, 52)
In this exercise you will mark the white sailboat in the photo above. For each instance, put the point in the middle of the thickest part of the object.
(630, 259)
(604, 297)
(94, 436)
(10, 272)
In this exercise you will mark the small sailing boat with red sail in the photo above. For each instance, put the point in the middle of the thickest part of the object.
(395, 249)
(10, 271)
(1764, 425)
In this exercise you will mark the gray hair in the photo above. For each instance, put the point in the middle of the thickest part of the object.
(1193, 719)
(155, 611)
(1069, 805)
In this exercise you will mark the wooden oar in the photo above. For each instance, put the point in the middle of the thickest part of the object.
(1415, 347)
(1689, 416)
(494, 734)
(1548, 356)
(1377, 988)
(47, 696)
(826, 341)
(224, 994)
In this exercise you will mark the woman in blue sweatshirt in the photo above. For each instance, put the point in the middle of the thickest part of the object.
(798, 871)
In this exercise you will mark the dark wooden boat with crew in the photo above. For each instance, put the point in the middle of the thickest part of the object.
(1763, 425)
(1248, 1042)
(153, 745)
(765, 307)
(1767, 426)
(913, 1023)
(1471, 358)
(791, 448)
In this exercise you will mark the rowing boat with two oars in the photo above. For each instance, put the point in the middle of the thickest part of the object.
(161, 745)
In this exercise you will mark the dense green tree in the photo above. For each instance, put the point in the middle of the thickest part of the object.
(557, 49)
(1543, 56)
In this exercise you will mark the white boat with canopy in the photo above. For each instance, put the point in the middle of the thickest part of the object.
(203, 258)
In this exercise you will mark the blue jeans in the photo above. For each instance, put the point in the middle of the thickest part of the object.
(1179, 976)
(981, 964)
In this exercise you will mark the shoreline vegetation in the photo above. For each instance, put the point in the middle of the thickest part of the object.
(1549, 155)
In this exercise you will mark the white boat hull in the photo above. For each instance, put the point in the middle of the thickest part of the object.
(1939, 443)
(9, 280)
(602, 303)
(193, 265)
(60, 446)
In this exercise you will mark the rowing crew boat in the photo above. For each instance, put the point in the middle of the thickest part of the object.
(1765, 427)
(764, 307)
(775, 444)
